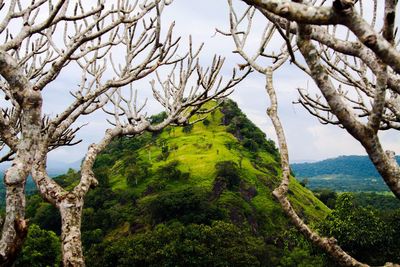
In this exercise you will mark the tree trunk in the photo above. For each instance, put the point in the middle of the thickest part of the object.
(15, 227)
(71, 215)
(327, 244)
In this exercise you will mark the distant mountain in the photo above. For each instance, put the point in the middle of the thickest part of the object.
(344, 173)
(54, 168)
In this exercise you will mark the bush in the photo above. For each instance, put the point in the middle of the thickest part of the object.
(206, 122)
(188, 128)
(41, 248)
(188, 206)
(361, 232)
(158, 118)
(170, 171)
(137, 172)
(245, 131)
(229, 172)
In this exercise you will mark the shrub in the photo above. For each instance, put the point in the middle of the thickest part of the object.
(188, 128)
(206, 122)
(41, 248)
(189, 205)
(170, 171)
(229, 172)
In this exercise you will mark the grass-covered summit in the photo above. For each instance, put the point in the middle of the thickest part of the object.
(194, 196)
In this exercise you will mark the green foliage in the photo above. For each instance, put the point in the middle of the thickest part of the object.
(101, 174)
(189, 205)
(41, 248)
(187, 128)
(69, 179)
(300, 257)
(381, 202)
(228, 172)
(169, 212)
(171, 172)
(137, 172)
(103, 210)
(363, 232)
(122, 147)
(250, 144)
(327, 196)
(155, 119)
(354, 226)
(245, 131)
(206, 122)
(43, 214)
(220, 244)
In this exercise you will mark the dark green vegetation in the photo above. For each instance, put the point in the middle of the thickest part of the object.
(367, 226)
(381, 201)
(42, 248)
(345, 174)
(193, 196)
(364, 223)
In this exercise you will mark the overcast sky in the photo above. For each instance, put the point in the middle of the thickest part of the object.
(307, 139)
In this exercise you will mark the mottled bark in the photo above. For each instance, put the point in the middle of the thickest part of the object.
(71, 214)
(30, 101)
(15, 226)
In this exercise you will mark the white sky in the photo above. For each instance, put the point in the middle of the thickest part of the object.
(307, 139)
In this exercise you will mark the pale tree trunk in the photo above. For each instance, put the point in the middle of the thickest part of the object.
(30, 101)
(71, 215)
(327, 244)
(70, 206)
(15, 227)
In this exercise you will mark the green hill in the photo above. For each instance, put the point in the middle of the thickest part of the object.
(344, 173)
(192, 196)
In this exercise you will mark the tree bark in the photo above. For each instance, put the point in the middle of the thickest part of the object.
(327, 244)
(365, 134)
(71, 215)
(15, 226)
(30, 101)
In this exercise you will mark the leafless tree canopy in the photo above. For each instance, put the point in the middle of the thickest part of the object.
(350, 51)
(114, 44)
(349, 48)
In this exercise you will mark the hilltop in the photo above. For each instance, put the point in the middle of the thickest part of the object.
(198, 195)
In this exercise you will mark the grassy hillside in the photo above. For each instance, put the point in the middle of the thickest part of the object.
(344, 173)
(194, 196)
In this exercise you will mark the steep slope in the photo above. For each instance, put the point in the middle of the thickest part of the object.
(344, 173)
(194, 196)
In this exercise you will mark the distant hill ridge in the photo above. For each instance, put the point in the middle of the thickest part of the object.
(344, 173)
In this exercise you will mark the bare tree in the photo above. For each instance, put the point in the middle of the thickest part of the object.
(41, 41)
(354, 67)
